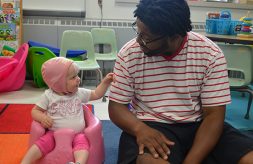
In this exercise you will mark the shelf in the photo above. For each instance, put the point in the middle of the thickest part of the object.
(221, 5)
(127, 1)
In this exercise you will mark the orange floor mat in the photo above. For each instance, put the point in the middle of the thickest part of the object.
(13, 147)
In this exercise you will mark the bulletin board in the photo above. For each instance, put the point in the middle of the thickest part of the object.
(10, 26)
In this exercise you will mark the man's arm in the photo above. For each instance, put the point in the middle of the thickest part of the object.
(207, 135)
(123, 118)
(150, 138)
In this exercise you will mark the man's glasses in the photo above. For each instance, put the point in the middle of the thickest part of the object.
(141, 39)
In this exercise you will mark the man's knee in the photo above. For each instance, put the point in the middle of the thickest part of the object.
(147, 158)
(247, 158)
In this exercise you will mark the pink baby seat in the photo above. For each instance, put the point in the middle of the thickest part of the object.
(63, 140)
(13, 70)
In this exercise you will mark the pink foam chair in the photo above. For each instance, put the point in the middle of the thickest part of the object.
(62, 152)
(13, 70)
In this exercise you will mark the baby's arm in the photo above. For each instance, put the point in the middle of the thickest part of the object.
(38, 114)
(102, 87)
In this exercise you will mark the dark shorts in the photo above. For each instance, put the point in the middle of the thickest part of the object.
(231, 147)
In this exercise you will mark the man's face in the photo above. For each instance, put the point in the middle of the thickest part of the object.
(150, 44)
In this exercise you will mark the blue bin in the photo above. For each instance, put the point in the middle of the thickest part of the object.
(211, 26)
(234, 24)
(223, 26)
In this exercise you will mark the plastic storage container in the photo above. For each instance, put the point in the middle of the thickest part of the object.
(223, 24)
(211, 26)
(235, 27)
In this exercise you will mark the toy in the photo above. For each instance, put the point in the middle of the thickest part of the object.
(7, 51)
(246, 27)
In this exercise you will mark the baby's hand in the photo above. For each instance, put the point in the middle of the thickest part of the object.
(46, 121)
(109, 78)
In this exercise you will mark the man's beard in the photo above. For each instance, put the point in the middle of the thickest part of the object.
(158, 52)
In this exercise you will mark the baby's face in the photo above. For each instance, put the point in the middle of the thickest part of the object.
(73, 79)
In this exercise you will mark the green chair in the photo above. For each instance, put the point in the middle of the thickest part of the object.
(82, 40)
(36, 57)
(72, 41)
(240, 66)
(29, 62)
(107, 38)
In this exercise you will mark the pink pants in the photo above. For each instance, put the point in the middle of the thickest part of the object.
(46, 143)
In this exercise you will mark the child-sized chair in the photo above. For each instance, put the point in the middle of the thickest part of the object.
(13, 70)
(63, 140)
(105, 37)
(240, 70)
(78, 39)
(36, 57)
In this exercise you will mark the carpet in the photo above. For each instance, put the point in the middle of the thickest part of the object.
(16, 118)
(13, 148)
(236, 110)
(15, 122)
(111, 139)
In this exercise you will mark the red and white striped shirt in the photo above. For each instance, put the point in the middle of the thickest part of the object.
(172, 90)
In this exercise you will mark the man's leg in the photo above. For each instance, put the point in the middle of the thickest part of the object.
(233, 147)
(181, 134)
(147, 158)
(247, 159)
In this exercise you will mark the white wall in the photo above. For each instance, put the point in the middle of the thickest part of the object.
(111, 10)
(123, 11)
(51, 33)
(119, 11)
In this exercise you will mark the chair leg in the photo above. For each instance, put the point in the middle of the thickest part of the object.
(104, 99)
(103, 69)
(249, 105)
(82, 77)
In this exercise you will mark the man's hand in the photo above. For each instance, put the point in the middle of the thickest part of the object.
(157, 144)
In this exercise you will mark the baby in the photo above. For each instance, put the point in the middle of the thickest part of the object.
(61, 107)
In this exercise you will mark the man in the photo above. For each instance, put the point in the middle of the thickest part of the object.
(177, 86)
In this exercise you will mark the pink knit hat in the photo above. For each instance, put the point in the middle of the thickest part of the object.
(54, 73)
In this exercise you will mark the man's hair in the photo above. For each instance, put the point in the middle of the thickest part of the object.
(165, 17)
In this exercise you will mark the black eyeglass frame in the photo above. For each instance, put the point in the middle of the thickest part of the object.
(142, 40)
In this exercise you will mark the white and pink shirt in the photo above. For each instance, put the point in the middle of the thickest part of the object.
(65, 110)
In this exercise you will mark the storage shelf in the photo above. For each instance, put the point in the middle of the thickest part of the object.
(221, 5)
